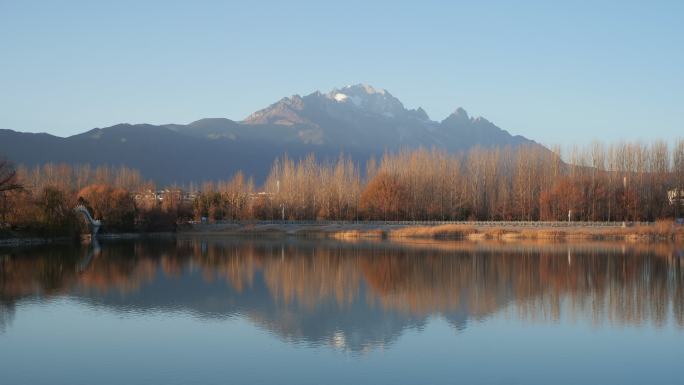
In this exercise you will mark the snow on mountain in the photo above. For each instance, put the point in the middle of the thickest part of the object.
(358, 119)
(369, 99)
(340, 97)
(364, 116)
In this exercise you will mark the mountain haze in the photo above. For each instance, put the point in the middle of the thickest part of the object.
(359, 120)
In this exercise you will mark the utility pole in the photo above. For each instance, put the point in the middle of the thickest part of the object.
(4, 208)
(624, 194)
(678, 198)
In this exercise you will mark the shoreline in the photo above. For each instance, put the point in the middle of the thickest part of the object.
(467, 231)
(656, 232)
(85, 238)
(33, 241)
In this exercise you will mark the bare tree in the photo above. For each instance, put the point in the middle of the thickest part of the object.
(8, 176)
(8, 182)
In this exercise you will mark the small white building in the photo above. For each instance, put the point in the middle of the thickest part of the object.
(676, 196)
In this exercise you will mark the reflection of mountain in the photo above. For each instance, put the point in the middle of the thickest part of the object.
(354, 325)
(353, 296)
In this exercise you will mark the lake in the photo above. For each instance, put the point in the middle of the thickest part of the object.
(212, 310)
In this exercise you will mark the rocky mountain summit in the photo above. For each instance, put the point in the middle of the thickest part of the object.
(359, 120)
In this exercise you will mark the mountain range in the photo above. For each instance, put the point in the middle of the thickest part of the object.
(359, 120)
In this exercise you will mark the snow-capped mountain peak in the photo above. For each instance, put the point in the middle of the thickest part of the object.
(340, 97)
(369, 99)
(367, 88)
(359, 120)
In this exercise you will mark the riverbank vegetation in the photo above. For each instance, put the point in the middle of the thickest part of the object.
(612, 183)
(622, 182)
(43, 201)
(662, 230)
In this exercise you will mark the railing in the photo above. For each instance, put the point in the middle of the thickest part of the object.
(426, 223)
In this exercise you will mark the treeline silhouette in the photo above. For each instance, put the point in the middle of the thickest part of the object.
(618, 182)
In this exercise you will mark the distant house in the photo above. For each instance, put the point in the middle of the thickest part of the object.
(261, 195)
(150, 196)
(676, 196)
(145, 196)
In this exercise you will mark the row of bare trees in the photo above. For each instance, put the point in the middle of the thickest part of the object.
(226, 200)
(624, 181)
(306, 189)
(617, 182)
(313, 190)
(76, 177)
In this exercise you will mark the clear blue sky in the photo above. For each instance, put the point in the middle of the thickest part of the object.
(556, 72)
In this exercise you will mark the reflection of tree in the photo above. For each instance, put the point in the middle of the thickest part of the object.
(304, 289)
(6, 315)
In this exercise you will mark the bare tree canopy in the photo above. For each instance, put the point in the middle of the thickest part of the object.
(614, 183)
(8, 176)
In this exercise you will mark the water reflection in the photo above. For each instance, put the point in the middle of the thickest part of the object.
(354, 296)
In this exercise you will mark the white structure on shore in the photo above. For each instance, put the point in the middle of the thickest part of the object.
(93, 223)
(676, 196)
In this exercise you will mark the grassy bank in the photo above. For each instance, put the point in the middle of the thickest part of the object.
(660, 231)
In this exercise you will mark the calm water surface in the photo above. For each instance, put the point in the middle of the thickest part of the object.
(228, 311)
